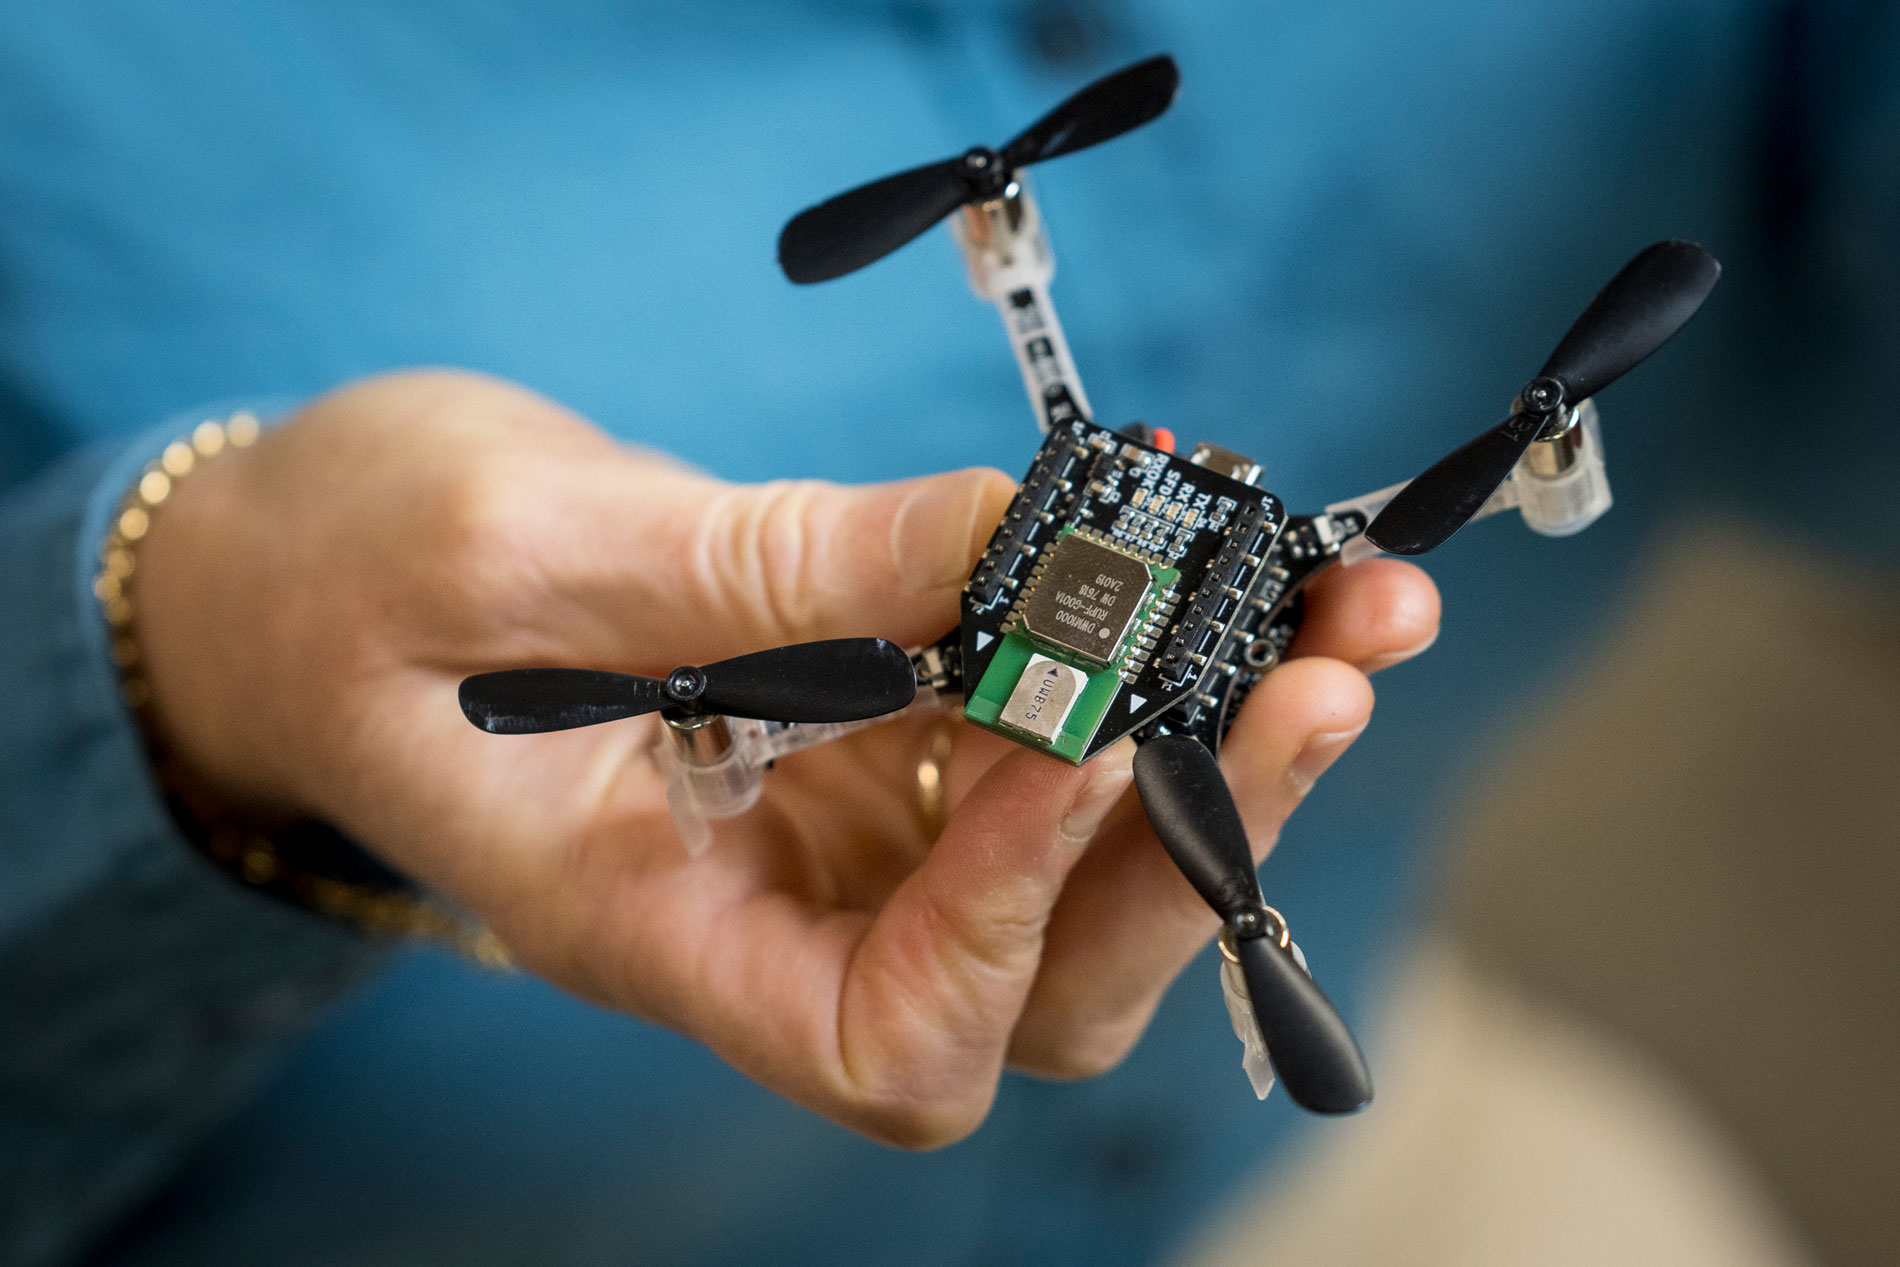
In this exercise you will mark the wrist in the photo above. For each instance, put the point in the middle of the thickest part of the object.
(172, 582)
(166, 586)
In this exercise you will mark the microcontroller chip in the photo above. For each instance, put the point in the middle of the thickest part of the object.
(1086, 596)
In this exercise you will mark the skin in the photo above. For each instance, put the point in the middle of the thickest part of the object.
(309, 605)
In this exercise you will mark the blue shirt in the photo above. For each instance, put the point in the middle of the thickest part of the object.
(1358, 231)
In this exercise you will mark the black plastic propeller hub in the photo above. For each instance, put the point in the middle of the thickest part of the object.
(1542, 396)
(685, 685)
(1248, 924)
(983, 167)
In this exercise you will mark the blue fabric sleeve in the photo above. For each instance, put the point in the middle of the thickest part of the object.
(142, 993)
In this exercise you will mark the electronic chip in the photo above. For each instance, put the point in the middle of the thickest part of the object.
(1087, 594)
(1044, 697)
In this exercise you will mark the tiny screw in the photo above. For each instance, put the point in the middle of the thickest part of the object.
(684, 685)
(1248, 924)
(1542, 395)
(984, 172)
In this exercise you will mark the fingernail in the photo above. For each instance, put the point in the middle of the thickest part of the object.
(1317, 756)
(1399, 657)
(1109, 777)
(932, 530)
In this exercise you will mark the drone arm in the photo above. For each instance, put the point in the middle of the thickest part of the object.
(712, 771)
(783, 740)
(715, 766)
(1255, 1061)
(1049, 375)
(1010, 265)
(1559, 485)
(1350, 517)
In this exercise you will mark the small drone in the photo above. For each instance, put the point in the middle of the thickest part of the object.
(1128, 590)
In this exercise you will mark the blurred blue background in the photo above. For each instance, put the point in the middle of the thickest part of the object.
(1359, 230)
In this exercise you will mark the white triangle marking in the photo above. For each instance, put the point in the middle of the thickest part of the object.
(983, 640)
(1136, 701)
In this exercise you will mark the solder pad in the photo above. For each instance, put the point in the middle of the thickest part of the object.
(1086, 596)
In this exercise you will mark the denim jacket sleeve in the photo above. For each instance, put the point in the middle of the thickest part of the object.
(142, 994)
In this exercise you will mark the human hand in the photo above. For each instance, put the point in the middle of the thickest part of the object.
(309, 606)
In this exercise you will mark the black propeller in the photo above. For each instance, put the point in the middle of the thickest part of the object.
(869, 222)
(844, 679)
(1313, 1052)
(1653, 296)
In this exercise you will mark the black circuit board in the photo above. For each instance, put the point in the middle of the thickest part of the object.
(1218, 534)
(1259, 635)
(1256, 639)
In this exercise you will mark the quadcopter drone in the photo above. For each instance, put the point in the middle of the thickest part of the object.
(1128, 590)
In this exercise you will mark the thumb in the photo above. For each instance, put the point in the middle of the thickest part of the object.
(801, 560)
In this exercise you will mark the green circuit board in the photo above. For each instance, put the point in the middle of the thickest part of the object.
(1081, 626)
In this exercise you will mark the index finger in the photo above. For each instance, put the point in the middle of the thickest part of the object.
(1372, 615)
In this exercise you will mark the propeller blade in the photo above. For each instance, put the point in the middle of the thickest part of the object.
(1648, 300)
(844, 679)
(530, 701)
(1193, 813)
(1313, 1053)
(869, 222)
(1653, 296)
(1110, 106)
(1443, 499)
